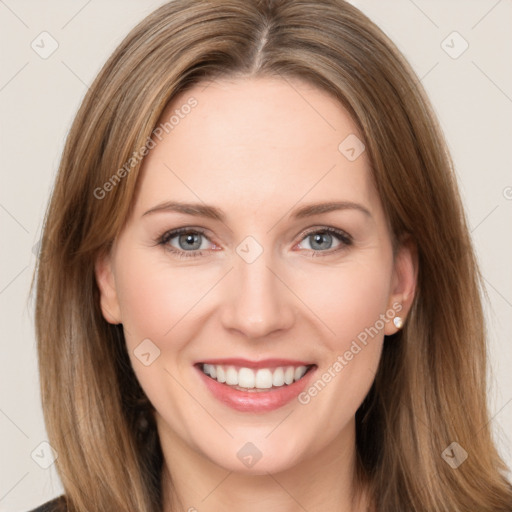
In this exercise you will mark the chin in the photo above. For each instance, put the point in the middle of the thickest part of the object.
(258, 457)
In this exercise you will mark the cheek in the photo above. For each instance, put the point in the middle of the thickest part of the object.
(157, 299)
(161, 302)
(348, 300)
(354, 306)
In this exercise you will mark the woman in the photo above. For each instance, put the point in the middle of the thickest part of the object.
(200, 348)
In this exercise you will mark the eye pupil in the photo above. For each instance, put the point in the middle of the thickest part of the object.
(190, 240)
(318, 238)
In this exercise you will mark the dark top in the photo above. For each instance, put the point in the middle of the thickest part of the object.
(56, 505)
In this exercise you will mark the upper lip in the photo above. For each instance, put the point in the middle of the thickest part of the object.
(263, 363)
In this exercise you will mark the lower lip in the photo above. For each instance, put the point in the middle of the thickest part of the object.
(256, 401)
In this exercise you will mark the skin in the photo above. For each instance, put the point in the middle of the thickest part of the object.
(258, 149)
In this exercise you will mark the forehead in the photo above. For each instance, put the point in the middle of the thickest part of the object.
(253, 142)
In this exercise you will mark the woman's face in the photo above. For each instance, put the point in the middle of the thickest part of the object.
(259, 284)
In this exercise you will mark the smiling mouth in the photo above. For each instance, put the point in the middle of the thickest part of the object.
(255, 380)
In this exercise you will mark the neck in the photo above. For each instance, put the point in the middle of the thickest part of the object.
(324, 482)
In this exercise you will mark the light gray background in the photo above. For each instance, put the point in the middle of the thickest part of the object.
(472, 95)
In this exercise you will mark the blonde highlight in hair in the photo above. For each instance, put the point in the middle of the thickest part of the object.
(97, 416)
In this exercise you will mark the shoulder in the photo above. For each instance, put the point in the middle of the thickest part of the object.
(56, 505)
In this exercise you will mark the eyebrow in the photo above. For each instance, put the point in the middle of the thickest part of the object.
(212, 212)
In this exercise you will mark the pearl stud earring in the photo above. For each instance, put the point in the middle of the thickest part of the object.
(398, 322)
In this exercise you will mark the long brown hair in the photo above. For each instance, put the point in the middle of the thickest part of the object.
(430, 388)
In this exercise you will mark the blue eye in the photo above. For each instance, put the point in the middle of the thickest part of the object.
(189, 241)
(318, 239)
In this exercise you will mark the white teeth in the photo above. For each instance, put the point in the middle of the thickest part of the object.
(210, 370)
(246, 378)
(263, 378)
(221, 374)
(289, 375)
(231, 376)
(278, 377)
(299, 372)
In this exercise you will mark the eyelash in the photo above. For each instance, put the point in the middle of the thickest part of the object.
(163, 240)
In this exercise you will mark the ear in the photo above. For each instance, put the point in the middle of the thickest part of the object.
(107, 286)
(403, 287)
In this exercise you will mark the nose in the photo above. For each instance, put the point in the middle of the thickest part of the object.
(258, 302)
